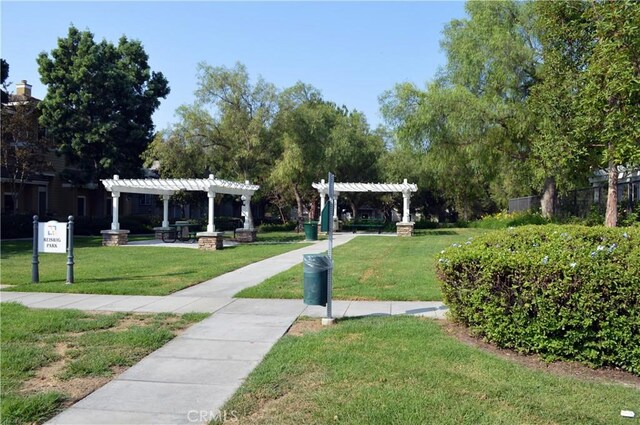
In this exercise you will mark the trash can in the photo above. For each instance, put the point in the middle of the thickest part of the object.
(316, 271)
(311, 231)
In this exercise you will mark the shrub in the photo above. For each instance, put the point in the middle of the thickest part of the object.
(565, 292)
(287, 227)
(502, 220)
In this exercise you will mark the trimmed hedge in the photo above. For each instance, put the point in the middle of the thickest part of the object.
(564, 292)
(272, 227)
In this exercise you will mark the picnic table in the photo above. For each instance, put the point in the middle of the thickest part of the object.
(183, 232)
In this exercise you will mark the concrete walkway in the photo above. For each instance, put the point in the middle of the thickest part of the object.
(188, 380)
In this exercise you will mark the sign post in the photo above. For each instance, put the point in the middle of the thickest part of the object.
(70, 251)
(329, 320)
(35, 275)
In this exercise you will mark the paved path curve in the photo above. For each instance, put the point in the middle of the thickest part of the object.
(188, 380)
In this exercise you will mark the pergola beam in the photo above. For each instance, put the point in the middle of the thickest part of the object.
(405, 188)
(168, 187)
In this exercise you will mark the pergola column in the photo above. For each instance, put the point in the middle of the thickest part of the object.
(335, 205)
(210, 224)
(246, 212)
(165, 210)
(406, 197)
(323, 194)
(115, 196)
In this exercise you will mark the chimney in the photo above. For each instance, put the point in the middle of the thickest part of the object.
(23, 89)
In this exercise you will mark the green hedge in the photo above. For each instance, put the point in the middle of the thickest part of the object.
(565, 292)
(272, 227)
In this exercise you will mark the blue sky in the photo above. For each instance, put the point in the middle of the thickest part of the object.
(351, 51)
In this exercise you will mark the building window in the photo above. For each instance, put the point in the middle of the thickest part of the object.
(8, 202)
(82, 206)
(42, 201)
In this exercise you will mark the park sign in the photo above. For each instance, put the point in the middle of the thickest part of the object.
(52, 237)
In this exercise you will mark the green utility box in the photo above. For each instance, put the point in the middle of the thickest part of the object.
(316, 271)
(311, 231)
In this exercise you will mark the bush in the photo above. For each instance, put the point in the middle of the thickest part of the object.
(502, 220)
(17, 226)
(287, 227)
(565, 292)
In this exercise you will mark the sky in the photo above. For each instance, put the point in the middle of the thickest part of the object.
(351, 51)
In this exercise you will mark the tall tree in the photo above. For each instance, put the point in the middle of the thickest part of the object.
(4, 75)
(24, 146)
(472, 122)
(608, 102)
(99, 103)
(225, 129)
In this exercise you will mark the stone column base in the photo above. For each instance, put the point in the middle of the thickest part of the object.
(404, 229)
(158, 232)
(210, 241)
(114, 237)
(246, 235)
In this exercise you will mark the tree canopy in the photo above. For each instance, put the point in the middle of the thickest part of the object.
(99, 103)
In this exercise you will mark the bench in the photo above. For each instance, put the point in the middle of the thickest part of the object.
(367, 226)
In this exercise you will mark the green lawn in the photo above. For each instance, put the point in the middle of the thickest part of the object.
(72, 352)
(376, 268)
(405, 370)
(130, 270)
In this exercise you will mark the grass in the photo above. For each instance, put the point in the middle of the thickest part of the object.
(129, 270)
(405, 370)
(69, 349)
(375, 268)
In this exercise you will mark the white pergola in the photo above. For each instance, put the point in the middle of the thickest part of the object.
(405, 188)
(168, 187)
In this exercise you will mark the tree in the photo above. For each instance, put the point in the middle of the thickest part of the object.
(588, 99)
(303, 129)
(225, 129)
(99, 103)
(4, 74)
(472, 123)
(24, 145)
(608, 102)
(564, 38)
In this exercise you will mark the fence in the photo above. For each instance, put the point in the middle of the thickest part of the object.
(579, 202)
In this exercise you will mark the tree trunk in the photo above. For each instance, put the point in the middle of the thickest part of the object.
(611, 218)
(354, 209)
(298, 201)
(548, 201)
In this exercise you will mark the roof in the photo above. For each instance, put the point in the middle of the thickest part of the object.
(171, 186)
(367, 187)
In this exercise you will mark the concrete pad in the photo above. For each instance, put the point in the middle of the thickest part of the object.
(205, 305)
(131, 303)
(252, 333)
(6, 286)
(274, 307)
(76, 416)
(60, 302)
(187, 348)
(167, 304)
(96, 302)
(36, 297)
(338, 309)
(189, 371)
(156, 397)
(418, 308)
(368, 308)
(10, 296)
